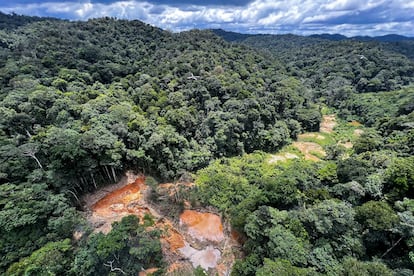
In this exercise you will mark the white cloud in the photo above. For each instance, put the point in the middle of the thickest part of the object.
(341, 5)
(84, 9)
(324, 17)
(348, 17)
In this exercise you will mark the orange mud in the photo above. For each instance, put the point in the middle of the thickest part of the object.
(148, 271)
(171, 236)
(114, 200)
(199, 238)
(328, 123)
(203, 226)
(118, 204)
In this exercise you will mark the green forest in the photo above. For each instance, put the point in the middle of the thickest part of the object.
(82, 102)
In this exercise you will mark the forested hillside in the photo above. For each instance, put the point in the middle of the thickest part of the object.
(83, 102)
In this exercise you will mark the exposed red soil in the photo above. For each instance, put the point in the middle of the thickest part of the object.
(171, 236)
(148, 271)
(203, 226)
(123, 196)
(119, 203)
(195, 236)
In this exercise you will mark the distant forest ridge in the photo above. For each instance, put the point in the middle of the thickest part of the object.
(235, 36)
(14, 20)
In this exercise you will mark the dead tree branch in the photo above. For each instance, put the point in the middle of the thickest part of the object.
(110, 265)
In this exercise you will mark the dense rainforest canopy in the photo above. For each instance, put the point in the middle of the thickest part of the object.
(83, 102)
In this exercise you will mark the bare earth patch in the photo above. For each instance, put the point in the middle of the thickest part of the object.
(308, 149)
(199, 239)
(355, 123)
(358, 132)
(110, 205)
(328, 123)
(310, 135)
(148, 271)
(281, 157)
(202, 226)
(206, 258)
(347, 145)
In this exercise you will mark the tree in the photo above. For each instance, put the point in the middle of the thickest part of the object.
(353, 267)
(378, 220)
(273, 234)
(399, 179)
(52, 259)
(283, 268)
(30, 217)
(332, 230)
(128, 249)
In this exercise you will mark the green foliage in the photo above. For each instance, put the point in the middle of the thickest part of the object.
(52, 259)
(128, 246)
(278, 235)
(226, 188)
(376, 215)
(283, 268)
(329, 218)
(352, 192)
(327, 173)
(399, 178)
(368, 141)
(81, 102)
(30, 216)
(353, 267)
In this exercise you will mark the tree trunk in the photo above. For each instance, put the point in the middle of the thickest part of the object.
(107, 173)
(113, 173)
(94, 182)
(76, 197)
(109, 264)
(392, 247)
(37, 160)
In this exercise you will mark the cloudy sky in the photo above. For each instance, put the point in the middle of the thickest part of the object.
(348, 17)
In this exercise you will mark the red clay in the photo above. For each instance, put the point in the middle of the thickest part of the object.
(206, 228)
(173, 238)
(119, 203)
(124, 195)
(203, 226)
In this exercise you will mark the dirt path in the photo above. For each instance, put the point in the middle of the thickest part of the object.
(306, 135)
(328, 123)
(310, 150)
(282, 157)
